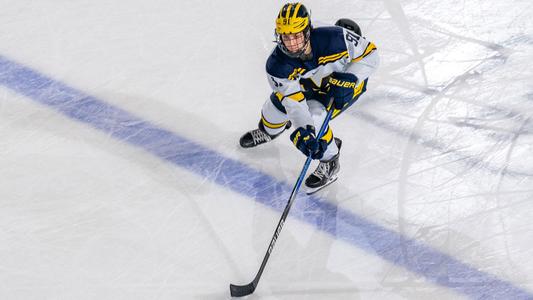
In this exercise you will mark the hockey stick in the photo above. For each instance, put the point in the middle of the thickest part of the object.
(243, 290)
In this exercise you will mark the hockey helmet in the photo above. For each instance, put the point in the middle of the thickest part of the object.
(293, 18)
(350, 25)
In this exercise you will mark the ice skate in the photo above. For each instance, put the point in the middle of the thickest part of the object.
(325, 174)
(258, 136)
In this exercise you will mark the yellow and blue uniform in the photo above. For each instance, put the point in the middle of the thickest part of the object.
(300, 86)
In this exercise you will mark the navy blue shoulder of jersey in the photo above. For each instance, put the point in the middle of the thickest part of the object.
(327, 41)
(280, 65)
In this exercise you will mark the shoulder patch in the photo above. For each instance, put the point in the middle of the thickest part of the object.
(297, 71)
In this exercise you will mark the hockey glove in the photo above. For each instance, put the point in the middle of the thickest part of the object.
(304, 139)
(341, 88)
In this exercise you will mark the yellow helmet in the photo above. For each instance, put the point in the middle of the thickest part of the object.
(292, 18)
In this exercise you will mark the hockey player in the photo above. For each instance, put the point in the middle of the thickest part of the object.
(308, 67)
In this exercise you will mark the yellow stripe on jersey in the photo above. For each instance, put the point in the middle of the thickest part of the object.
(328, 136)
(331, 56)
(295, 73)
(325, 59)
(371, 47)
(333, 59)
(272, 125)
(298, 96)
(358, 89)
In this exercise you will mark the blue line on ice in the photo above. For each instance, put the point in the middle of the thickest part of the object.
(342, 224)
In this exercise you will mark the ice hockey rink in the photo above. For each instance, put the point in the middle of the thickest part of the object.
(121, 175)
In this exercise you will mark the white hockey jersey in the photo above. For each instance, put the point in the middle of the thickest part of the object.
(334, 49)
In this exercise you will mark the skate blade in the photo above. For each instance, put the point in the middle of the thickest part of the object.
(311, 191)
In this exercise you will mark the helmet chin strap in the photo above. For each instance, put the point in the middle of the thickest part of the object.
(297, 54)
(302, 53)
(309, 55)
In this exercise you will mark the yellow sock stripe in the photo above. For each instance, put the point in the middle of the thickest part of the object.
(371, 47)
(272, 125)
(298, 96)
(328, 136)
(330, 57)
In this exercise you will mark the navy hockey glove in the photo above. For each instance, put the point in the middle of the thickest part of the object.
(341, 88)
(304, 139)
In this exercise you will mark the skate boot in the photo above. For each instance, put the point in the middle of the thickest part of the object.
(258, 136)
(325, 174)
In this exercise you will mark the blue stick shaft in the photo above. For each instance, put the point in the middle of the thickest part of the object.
(309, 159)
(243, 290)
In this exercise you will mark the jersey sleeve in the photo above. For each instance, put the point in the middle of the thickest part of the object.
(284, 81)
(363, 58)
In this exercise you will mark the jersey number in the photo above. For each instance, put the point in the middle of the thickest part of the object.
(350, 37)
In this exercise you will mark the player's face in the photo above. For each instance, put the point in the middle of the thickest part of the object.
(293, 42)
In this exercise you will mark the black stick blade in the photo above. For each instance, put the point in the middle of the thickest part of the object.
(241, 290)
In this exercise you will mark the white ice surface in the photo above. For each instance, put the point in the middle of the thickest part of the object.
(439, 149)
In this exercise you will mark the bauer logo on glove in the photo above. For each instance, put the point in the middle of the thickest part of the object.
(341, 88)
(341, 83)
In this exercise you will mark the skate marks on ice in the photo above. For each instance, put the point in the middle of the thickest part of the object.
(394, 8)
(517, 123)
(343, 225)
(506, 139)
(488, 112)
